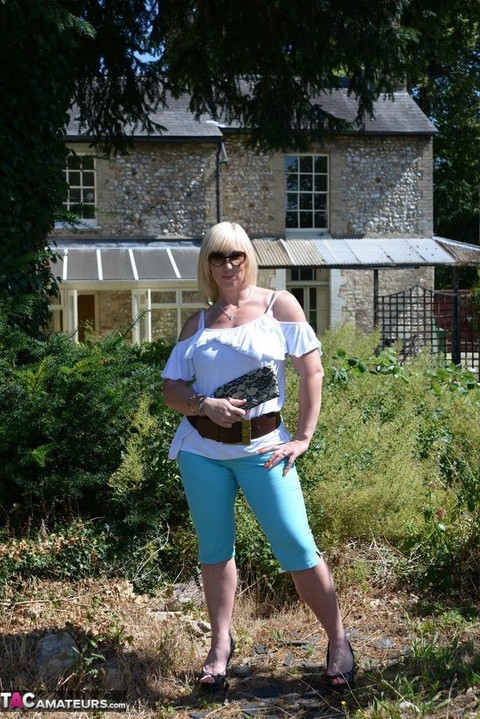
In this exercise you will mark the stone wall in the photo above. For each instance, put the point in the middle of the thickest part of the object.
(379, 186)
(382, 186)
(114, 310)
(253, 189)
(356, 291)
(159, 189)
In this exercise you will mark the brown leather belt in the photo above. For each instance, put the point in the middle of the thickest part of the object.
(240, 432)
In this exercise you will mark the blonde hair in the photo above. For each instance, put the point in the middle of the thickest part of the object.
(221, 237)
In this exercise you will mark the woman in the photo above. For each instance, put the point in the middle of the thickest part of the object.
(219, 449)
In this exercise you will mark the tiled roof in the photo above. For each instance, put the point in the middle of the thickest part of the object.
(177, 120)
(400, 116)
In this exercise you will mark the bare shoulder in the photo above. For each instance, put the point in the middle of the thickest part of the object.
(190, 327)
(263, 295)
(286, 308)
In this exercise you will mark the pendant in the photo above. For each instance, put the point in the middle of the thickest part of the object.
(229, 317)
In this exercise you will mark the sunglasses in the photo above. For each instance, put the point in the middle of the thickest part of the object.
(218, 259)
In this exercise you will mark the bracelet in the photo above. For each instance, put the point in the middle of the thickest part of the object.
(201, 406)
(200, 411)
(190, 403)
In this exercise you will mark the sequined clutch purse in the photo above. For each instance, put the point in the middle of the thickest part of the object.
(256, 387)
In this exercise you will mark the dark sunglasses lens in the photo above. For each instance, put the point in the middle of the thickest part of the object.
(237, 258)
(216, 259)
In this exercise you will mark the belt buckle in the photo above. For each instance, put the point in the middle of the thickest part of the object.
(246, 431)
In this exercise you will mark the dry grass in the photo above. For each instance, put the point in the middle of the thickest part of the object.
(155, 654)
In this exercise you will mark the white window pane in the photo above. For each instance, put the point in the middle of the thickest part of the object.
(292, 182)
(320, 220)
(321, 183)
(291, 163)
(291, 220)
(306, 202)
(87, 162)
(306, 183)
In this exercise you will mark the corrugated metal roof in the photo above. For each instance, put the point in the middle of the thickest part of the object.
(177, 260)
(465, 254)
(355, 253)
(287, 253)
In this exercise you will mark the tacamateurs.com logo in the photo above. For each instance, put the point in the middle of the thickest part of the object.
(10, 701)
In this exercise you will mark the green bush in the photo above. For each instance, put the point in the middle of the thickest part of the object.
(73, 417)
(84, 437)
(396, 457)
(77, 551)
(448, 548)
(363, 471)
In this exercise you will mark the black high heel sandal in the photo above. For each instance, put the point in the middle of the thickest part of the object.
(346, 677)
(218, 679)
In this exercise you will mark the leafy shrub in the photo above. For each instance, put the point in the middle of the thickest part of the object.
(84, 436)
(84, 433)
(146, 487)
(363, 474)
(396, 456)
(76, 551)
(448, 549)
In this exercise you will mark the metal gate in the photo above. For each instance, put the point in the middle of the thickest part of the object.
(444, 322)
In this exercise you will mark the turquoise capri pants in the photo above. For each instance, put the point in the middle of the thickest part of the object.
(277, 502)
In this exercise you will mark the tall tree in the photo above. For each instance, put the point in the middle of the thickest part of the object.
(260, 63)
(445, 80)
(38, 46)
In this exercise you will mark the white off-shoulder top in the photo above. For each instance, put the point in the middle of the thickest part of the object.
(212, 357)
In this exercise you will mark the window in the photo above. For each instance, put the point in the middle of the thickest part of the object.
(310, 286)
(161, 314)
(80, 177)
(306, 183)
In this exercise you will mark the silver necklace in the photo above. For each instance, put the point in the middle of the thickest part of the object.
(232, 317)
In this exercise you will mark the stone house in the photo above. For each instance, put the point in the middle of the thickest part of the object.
(324, 222)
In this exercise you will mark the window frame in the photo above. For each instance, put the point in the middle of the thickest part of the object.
(305, 203)
(318, 283)
(70, 205)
